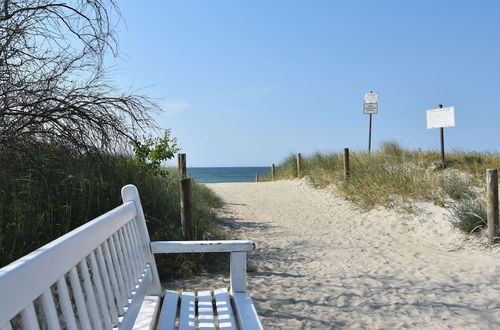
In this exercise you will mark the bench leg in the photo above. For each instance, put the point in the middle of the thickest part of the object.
(238, 272)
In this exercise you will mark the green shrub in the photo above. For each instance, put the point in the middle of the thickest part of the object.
(468, 215)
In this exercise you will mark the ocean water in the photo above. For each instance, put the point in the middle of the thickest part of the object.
(226, 174)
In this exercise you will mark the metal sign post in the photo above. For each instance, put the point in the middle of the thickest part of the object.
(370, 106)
(441, 118)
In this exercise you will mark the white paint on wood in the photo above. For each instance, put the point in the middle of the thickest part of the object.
(130, 193)
(168, 310)
(118, 271)
(81, 307)
(49, 310)
(238, 271)
(125, 260)
(225, 316)
(206, 319)
(66, 305)
(187, 312)
(89, 294)
(201, 246)
(245, 312)
(110, 287)
(7, 326)
(21, 279)
(104, 307)
(28, 318)
(136, 300)
(147, 314)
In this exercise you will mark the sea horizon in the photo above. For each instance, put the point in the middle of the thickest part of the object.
(217, 174)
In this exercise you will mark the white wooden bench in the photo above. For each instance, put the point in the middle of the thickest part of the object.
(103, 275)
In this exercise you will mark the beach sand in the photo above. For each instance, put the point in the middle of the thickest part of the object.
(322, 263)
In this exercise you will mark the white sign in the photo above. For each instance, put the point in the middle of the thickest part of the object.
(370, 108)
(441, 117)
(371, 97)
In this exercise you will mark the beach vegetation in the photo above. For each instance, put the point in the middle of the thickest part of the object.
(393, 176)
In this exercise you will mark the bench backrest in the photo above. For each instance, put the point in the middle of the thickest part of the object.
(93, 277)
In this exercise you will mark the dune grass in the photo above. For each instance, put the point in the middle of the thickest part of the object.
(60, 190)
(392, 175)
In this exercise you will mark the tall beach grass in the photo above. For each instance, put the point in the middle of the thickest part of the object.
(60, 190)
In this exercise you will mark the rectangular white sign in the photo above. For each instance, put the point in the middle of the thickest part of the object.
(371, 97)
(441, 117)
(370, 108)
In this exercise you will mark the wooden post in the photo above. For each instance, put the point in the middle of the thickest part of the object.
(346, 163)
(299, 161)
(492, 200)
(181, 163)
(186, 208)
(273, 172)
(256, 177)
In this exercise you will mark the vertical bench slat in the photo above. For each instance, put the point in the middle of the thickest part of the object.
(135, 248)
(81, 307)
(128, 246)
(28, 318)
(126, 259)
(91, 299)
(49, 310)
(108, 287)
(96, 276)
(118, 273)
(136, 237)
(187, 312)
(206, 319)
(123, 268)
(66, 305)
(113, 276)
(225, 314)
(168, 310)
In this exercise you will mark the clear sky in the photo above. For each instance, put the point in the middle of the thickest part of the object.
(245, 83)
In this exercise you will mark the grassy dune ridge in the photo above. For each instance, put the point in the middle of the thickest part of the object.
(42, 200)
(393, 176)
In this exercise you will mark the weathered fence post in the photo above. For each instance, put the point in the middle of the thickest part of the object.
(181, 164)
(299, 161)
(186, 208)
(492, 200)
(346, 163)
(273, 172)
(256, 177)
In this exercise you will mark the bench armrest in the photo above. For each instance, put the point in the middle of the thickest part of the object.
(201, 246)
(238, 259)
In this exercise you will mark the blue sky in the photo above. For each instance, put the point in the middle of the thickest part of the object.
(245, 83)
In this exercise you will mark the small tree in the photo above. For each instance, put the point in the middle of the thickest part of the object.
(153, 151)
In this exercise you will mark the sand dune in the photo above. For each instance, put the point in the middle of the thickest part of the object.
(321, 263)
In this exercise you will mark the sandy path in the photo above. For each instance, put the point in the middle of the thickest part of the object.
(321, 263)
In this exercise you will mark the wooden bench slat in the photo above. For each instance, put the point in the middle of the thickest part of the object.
(109, 287)
(97, 280)
(168, 310)
(187, 312)
(117, 273)
(7, 326)
(66, 305)
(49, 308)
(28, 318)
(206, 318)
(125, 260)
(91, 299)
(81, 307)
(245, 311)
(225, 314)
(147, 314)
